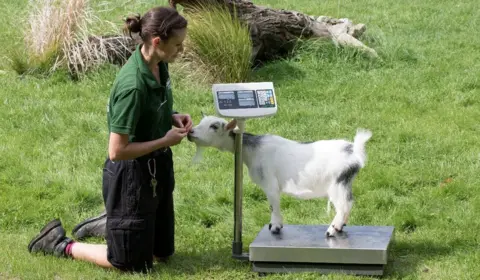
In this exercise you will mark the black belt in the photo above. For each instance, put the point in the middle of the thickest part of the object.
(157, 153)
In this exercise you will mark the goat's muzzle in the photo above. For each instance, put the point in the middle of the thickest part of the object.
(190, 136)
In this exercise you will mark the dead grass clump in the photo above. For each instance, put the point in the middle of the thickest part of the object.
(58, 34)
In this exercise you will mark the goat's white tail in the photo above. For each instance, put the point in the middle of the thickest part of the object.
(359, 141)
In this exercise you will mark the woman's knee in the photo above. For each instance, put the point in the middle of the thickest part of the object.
(130, 243)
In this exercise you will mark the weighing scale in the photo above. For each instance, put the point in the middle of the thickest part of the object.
(358, 250)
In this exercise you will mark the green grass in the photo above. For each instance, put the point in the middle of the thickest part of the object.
(422, 104)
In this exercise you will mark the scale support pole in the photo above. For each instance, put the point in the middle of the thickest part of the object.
(237, 245)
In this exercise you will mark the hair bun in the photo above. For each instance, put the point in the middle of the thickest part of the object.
(133, 24)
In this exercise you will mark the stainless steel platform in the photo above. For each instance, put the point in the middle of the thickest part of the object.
(351, 269)
(358, 249)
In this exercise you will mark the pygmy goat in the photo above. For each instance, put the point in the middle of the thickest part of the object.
(324, 168)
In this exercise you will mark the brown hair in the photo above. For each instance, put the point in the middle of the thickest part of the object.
(158, 21)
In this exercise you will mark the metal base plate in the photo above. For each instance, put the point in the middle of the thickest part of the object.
(352, 269)
(356, 245)
(241, 257)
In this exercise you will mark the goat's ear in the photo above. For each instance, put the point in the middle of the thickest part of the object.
(231, 125)
(203, 114)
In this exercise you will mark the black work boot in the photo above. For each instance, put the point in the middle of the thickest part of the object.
(91, 227)
(50, 240)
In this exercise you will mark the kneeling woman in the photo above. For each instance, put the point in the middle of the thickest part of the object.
(138, 179)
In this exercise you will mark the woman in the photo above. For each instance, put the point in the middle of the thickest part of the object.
(138, 178)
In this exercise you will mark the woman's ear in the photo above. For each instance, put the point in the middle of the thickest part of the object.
(156, 41)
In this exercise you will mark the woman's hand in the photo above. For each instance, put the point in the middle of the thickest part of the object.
(182, 121)
(174, 136)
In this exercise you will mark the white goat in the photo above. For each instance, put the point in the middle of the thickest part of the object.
(324, 168)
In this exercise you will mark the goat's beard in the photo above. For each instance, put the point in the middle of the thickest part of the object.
(198, 154)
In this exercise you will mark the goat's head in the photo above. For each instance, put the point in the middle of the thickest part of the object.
(213, 132)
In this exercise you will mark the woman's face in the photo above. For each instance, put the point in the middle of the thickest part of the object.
(169, 50)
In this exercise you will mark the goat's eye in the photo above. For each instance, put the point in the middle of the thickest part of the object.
(214, 126)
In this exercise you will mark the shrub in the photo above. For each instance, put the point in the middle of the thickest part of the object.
(219, 44)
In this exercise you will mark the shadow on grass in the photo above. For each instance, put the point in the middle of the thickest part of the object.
(184, 264)
(187, 264)
(312, 55)
(279, 72)
(406, 258)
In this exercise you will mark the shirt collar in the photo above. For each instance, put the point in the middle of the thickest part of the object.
(144, 70)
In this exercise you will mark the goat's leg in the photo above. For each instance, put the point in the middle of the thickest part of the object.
(349, 203)
(342, 200)
(337, 223)
(276, 219)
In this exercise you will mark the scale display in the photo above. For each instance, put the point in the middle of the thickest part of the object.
(245, 99)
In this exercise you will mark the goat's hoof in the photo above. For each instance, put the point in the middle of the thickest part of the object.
(275, 228)
(332, 231)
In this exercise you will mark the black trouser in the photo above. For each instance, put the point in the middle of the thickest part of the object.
(139, 224)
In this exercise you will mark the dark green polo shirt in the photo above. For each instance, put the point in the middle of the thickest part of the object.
(139, 106)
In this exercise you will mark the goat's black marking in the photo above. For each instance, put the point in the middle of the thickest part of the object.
(271, 208)
(249, 139)
(349, 193)
(348, 149)
(348, 174)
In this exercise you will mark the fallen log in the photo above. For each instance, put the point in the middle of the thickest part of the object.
(274, 32)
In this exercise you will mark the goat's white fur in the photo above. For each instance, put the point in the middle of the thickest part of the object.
(325, 168)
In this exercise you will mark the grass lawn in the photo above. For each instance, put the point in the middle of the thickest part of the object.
(422, 105)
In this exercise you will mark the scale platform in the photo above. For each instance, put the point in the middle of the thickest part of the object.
(358, 250)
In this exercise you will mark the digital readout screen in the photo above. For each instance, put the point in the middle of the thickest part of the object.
(246, 98)
(226, 95)
(237, 99)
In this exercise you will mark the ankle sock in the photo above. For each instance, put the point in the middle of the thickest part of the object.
(68, 249)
